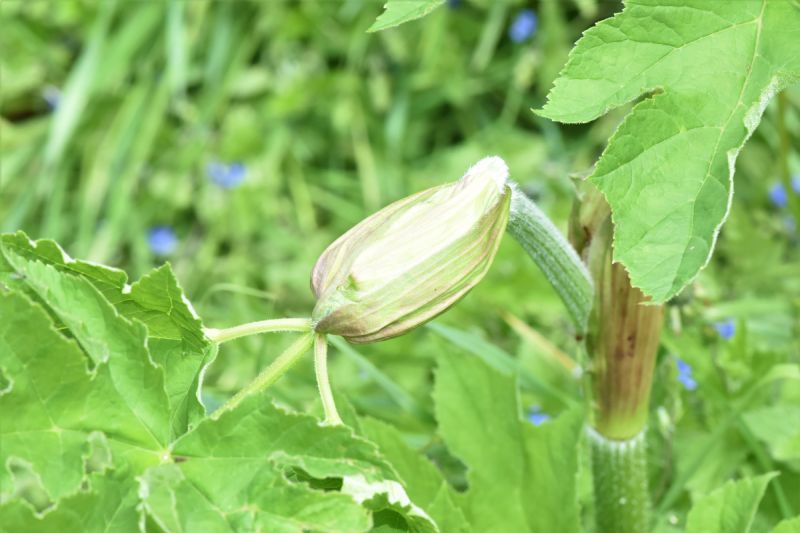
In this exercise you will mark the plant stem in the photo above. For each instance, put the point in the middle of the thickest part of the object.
(321, 368)
(622, 341)
(253, 328)
(271, 374)
(553, 254)
(619, 468)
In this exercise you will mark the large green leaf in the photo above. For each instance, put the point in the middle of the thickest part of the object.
(229, 474)
(709, 68)
(521, 477)
(94, 425)
(729, 509)
(174, 331)
(106, 337)
(57, 402)
(109, 504)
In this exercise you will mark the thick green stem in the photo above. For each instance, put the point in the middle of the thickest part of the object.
(271, 374)
(254, 328)
(621, 342)
(553, 254)
(321, 368)
(619, 469)
(624, 327)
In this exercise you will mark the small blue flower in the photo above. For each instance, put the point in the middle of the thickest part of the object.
(796, 183)
(453, 4)
(524, 26)
(685, 375)
(227, 176)
(778, 196)
(726, 328)
(162, 240)
(537, 417)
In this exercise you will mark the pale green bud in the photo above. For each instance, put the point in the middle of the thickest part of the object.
(413, 259)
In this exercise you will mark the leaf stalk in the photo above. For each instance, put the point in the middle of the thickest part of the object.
(254, 328)
(271, 374)
(323, 383)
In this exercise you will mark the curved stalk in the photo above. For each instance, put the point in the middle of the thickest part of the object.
(271, 374)
(554, 255)
(321, 368)
(253, 328)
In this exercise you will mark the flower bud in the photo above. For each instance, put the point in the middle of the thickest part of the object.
(413, 259)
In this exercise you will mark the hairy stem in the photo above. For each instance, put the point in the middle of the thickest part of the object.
(553, 254)
(321, 368)
(272, 373)
(254, 328)
(619, 469)
(621, 342)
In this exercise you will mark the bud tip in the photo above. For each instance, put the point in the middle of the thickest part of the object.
(494, 167)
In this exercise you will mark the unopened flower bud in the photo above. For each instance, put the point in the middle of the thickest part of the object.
(413, 259)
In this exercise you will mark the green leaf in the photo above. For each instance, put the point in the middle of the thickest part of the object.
(110, 504)
(401, 11)
(94, 428)
(57, 402)
(778, 427)
(109, 281)
(106, 337)
(730, 509)
(175, 334)
(788, 526)
(231, 474)
(709, 69)
(177, 501)
(176, 340)
(521, 477)
(423, 481)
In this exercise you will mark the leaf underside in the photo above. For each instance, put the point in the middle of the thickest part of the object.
(708, 69)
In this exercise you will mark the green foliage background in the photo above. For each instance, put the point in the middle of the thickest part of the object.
(332, 123)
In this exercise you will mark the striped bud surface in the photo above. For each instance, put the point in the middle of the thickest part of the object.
(413, 259)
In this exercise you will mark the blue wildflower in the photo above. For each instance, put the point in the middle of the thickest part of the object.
(796, 183)
(685, 375)
(162, 240)
(537, 417)
(726, 328)
(778, 196)
(524, 26)
(227, 176)
(453, 4)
